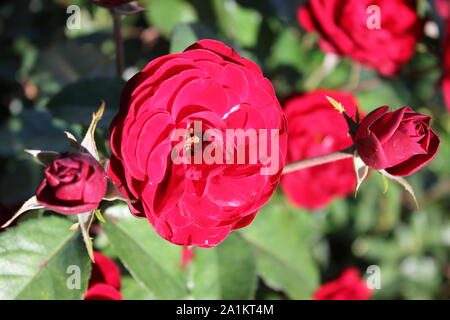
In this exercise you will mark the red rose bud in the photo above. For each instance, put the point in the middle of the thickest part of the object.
(370, 34)
(205, 92)
(105, 282)
(314, 129)
(74, 183)
(349, 286)
(110, 3)
(400, 142)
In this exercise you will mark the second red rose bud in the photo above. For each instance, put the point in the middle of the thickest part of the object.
(400, 142)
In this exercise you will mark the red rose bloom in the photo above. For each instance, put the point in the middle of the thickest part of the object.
(195, 204)
(316, 128)
(345, 28)
(349, 286)
(74, 183)
(400, 142)
(105, 282)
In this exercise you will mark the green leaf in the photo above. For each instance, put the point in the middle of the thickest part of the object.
(166, 14)
(78, 101)
(286, 50)
(284, 256)
(237, 22)
(35, 261)
(422, 7)
(132, 290)
(151, 260)
(227, 271)
(182, 37)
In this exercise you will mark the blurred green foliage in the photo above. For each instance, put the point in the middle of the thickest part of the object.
(53, 78)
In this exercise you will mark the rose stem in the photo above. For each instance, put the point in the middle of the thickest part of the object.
(315, 161)
(119, 42)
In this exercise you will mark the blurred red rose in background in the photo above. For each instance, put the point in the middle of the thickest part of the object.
(187, 254)
(105, 270)
(401, 141)
(74, 183)
(194, 204)
(349, 286)
(101, 291)
(316, 128)
(343, 26)
(443, 8)
(6, 213)
(105, 282)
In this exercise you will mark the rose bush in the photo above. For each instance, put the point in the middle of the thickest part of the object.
(315, 128)
(400, 142)
(349, 286)
(194, 204)
(342, 27)
(74, 183)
